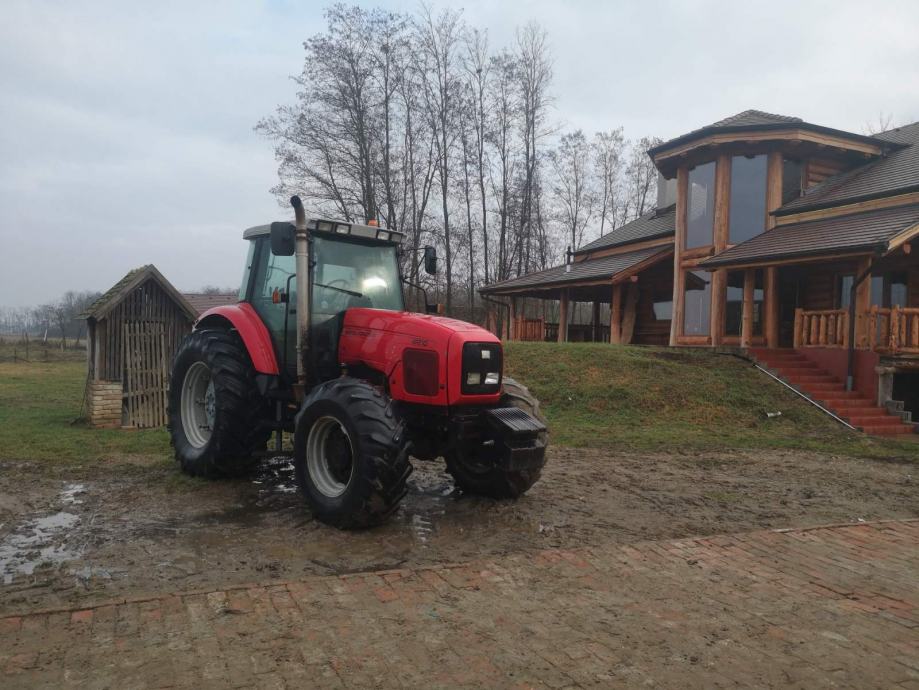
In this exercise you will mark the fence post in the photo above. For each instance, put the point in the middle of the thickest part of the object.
(895, 329)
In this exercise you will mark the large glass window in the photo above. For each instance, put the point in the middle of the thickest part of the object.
(889, 290)
(697, 303)
(700, 205)
(748, 197)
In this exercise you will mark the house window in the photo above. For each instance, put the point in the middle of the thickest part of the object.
(844, 291)
(889, 290)
(663, 310)
(700, 206)
(697, 303)
(748, 197)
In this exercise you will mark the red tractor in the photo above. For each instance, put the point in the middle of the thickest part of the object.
(361, 383)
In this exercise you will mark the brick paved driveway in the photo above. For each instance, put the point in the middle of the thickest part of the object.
(827, 607)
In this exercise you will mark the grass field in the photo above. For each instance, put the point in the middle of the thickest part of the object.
(593, 396)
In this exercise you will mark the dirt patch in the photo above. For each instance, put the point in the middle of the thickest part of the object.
(97, 536)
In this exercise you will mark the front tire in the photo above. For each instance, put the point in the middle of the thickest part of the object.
(216, 414)
(476, 471)
(350, 455)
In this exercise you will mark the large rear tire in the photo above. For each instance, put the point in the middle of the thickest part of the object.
(216, 414)
(477, 471)
(350, 455)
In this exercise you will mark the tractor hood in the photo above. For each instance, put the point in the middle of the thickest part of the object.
(378, 338)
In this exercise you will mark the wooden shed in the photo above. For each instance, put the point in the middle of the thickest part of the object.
(133, 332)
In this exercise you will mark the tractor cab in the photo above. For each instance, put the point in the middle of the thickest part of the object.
(350, 266)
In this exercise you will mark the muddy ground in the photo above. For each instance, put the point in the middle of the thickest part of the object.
(92, 536)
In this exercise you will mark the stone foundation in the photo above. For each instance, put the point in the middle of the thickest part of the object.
(104, 399)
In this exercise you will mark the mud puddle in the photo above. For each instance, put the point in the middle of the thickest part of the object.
(115, 535)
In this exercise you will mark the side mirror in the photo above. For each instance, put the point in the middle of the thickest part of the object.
(430, 260)
(282, 239)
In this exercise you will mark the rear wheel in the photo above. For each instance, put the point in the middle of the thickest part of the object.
(215, 411)
(350, 455)
(477, 471)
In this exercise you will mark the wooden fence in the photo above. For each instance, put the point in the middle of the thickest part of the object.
(529, 329)
(146, 371)
(894, 330)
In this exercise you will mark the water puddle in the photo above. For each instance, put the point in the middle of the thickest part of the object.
(37, 542)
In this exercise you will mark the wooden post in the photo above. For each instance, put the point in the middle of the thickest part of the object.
(679, 241)
(746, 325)
(862, 304)
(771, 325)
(512, 318)
(563, 316)
(773, 186)
(895, 329)
(615, 315)
(719, 289)
(595, 321)
(721, 238)
(799, 327)
(628, 316)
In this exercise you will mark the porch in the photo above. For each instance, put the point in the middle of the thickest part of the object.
(890, 330)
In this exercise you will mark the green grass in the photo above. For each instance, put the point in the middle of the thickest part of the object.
(593, 395)
(672, 400)
(39, 403)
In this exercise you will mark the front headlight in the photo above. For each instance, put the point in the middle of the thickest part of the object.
(481, 372)
(492, 378)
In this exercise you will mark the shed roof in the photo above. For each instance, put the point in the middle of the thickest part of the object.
(654, 224)
(134, 278)
(898, 171)
(201, 301)
(858, 232)
(604, 268)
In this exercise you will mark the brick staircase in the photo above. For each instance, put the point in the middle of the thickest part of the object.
(816, 383)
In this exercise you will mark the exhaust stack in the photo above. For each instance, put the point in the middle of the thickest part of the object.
(302, 259)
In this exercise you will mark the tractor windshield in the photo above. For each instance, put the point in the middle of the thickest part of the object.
(349, 274)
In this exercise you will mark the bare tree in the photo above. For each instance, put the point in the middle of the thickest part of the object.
(882, 123)
(640, 179)
(608, 150)
(572, 186)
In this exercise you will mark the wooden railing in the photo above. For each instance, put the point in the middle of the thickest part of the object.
(894, 330)
(529, 329)
(822, 328)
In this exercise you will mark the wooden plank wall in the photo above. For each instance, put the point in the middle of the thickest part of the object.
(816, 170)
(147, 303)
(146, 373)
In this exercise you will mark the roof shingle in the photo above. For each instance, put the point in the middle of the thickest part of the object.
(855, 233)
(649, 226)
(589, 269)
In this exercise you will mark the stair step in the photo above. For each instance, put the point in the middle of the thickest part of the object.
(832, 397)
(813, 378)
(858, 411)
(822, 387)
(891, 430)
(875, 421)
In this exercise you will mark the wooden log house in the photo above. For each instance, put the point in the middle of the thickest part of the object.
(769, 233)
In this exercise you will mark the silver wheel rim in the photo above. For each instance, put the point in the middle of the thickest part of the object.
(327, 444)
(199, 405)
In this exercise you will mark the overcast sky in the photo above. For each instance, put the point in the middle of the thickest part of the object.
(126, 134)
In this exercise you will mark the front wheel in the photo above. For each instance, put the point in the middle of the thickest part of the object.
(477, 470)
(350, 455)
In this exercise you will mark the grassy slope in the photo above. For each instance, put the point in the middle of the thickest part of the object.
(593, 395)
(659, 398)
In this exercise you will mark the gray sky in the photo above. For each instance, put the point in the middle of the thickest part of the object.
(126, 134)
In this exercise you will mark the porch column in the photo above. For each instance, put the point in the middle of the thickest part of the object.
(746, 325)
(862, 304)
(615, 315)
(512, 317)
(719, 283)
(563, 316)
(595, 322)
(771, 325)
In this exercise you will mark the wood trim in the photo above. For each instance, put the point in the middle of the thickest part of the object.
(624, 249)
(720, 226)
(693, 340)
(698, 252)
(624, 276)
(791, 134)
(847, 209)
(771, 298)
(615, 316)
(902, 238)
(796, 260)
(773, 187)
(682, 186)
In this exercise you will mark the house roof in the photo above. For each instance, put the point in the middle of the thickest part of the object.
(606, 267)
(898, 171)
(757, 120)
(858, 232)
(654, 224)
(201, 301)
(134, 278)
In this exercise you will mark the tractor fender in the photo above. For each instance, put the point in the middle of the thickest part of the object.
(251, 329)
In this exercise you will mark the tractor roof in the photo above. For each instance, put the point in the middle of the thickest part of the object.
(338, 227)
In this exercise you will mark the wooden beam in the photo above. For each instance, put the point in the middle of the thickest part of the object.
(563, 317)
(846, 209)
(628, 316)
(746, 327)
(721, 224)
(771, 325)
(773, 187)
(682, 189)
(615, 315)
(627, 274)
(716, 325)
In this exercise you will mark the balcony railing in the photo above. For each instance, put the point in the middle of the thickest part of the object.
(891, 331)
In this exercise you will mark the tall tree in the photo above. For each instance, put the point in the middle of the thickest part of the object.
(573, 185)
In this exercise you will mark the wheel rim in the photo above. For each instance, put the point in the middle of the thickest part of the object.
(199, 404)
(329, 456)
